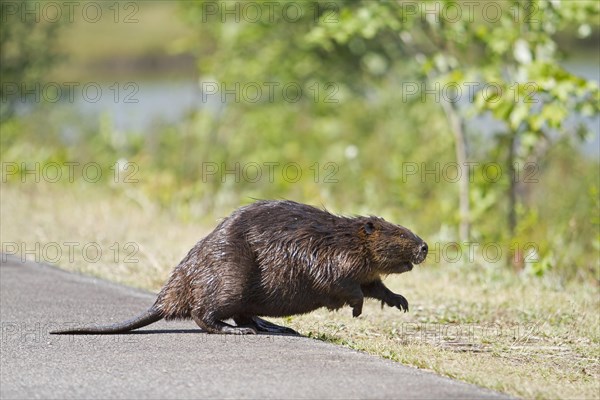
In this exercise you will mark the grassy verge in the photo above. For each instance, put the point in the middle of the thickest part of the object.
(526, 337)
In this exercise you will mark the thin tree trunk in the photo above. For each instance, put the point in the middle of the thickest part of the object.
(460, 146)
(512, 187)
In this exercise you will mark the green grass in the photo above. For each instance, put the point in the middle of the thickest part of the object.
(109, 50)
(534, 338)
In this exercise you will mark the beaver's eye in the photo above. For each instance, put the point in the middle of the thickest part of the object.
(402, 235)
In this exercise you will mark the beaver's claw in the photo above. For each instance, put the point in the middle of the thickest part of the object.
(398, 301)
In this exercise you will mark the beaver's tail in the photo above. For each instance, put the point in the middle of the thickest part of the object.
(150, 316)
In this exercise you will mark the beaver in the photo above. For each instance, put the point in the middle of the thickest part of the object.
(276, 259)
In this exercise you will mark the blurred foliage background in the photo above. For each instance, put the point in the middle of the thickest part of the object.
(367, 97)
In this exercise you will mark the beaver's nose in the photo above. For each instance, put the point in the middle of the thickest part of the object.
(424, 248)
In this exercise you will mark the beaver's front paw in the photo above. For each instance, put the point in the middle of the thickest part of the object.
(398, 301)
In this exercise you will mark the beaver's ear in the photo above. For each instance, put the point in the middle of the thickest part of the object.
(369, 228)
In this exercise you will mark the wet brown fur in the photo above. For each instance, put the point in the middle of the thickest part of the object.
(280, 258)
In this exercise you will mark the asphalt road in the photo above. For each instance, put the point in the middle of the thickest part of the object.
(174, 359)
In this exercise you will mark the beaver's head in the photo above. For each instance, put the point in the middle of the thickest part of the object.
(393, 247)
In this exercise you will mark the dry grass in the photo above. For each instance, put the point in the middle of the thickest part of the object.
(521, 338)
(525, 337)
(149, 241)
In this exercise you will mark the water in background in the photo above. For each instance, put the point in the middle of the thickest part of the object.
(138, 106)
